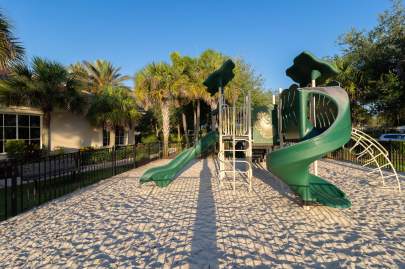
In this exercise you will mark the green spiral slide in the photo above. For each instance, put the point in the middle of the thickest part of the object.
(327, 129)
(163, 175)
(291, 164)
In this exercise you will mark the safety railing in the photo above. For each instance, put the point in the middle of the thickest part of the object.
(25, 184)
(383, 160)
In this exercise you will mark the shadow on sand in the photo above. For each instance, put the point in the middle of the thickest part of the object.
(204, 243)
(260, 172)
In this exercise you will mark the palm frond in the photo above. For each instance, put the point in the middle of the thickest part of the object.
(11, 50)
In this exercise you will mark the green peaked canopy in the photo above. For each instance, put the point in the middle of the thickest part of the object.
(307, 67)
(220, 77)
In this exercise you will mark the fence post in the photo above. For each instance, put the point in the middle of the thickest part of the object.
(5, 179)
(79, 162)
(38, 182)
(134, 148)
(149, 151)
(401, 157)
(14, 189)
(21, 174)
(113, 160)
(76, 170)
(390, 155)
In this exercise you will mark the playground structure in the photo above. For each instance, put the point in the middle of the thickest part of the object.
(163, 175)
(378, 160)
(311, 120)
(314, 121)
(333, 129)
(235, 129)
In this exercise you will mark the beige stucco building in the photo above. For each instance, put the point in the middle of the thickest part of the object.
(68, 131)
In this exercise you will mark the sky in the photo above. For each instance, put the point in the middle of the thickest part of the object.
(131, 34)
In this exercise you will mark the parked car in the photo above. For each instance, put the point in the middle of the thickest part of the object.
(401, 129)
(392, 137)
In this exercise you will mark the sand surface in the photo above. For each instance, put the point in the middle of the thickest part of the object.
(194, 224)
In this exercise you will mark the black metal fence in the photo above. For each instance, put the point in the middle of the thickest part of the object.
(396, 153)
(29, 183)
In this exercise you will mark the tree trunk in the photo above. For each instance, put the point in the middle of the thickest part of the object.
(213, 117)
(156, 130)
(178, 132)
(213, 121)
(47, 124)
(195, 121)
(183, 115)
(198, 118)
(166, 128)
(112, 137)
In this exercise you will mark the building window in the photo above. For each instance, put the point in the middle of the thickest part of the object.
(106, 137)
(119, 136)
(22, 127)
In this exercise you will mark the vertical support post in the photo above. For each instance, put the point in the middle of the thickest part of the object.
(280, 118)
(221, 154)
(250, 142)
(313, 114)
(234, 144)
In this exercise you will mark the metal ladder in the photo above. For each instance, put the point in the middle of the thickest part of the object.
(235, 126)
(230, 165)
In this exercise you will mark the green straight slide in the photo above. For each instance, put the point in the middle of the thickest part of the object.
(163, 175)
(333, 130)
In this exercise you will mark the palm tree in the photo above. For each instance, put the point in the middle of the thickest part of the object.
(113, 107)
(209, 61)
(188, 75)
(46, 85)
(181, 83)
(98, 75)
(154, 87)
(196, 91)
(11, 49)
(188, 78)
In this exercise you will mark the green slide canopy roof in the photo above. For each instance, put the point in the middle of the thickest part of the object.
(307, 67)
(220, 77)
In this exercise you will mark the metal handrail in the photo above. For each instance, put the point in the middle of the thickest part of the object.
(375, 150)
(358, 133)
